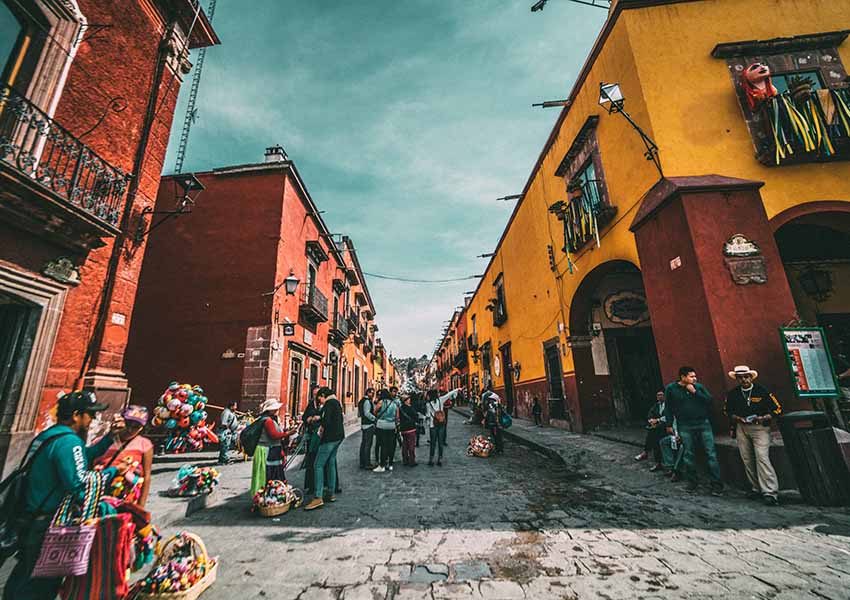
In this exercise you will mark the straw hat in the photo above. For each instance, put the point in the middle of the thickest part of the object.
(743, 370)
(270, 404)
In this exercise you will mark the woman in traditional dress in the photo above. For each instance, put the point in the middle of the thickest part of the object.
(269, 458)
(129, 445)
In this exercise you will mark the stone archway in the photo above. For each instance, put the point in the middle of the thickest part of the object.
(616, 363)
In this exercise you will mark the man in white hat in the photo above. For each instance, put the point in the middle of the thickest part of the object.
(752, 407)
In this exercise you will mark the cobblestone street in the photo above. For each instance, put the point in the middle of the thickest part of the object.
(516, 527)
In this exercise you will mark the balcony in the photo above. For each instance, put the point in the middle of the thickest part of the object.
(360, 334)
(339, 329)
(52, 184)
(314, 305)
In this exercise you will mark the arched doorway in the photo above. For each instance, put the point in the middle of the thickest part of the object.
(616, 362)
(815, 251)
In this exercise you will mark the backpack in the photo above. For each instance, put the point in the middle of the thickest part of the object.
(250, 436)
(360, 407)
(505, 420)
(12, 492)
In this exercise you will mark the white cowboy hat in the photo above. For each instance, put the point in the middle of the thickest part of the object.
(743, 370)
(271, 404)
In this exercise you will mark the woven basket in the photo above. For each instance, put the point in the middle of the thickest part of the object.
(199, 550)
(482, 453)
(274, 511)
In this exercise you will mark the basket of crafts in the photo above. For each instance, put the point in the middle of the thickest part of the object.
(480, 446)
(193, 481)
(183, 570)
(276, 498)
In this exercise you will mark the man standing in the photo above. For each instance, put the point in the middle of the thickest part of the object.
(367, 428)
(537, 412)
(752, 407)
(227, 431)
(690, 404)
(60, 463)
(331, 434)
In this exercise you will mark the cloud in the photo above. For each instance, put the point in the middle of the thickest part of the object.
(406, 120)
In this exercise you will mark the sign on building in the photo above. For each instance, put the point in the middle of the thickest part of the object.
(810, 362)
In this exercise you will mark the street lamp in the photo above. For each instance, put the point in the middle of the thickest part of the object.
(188, 183)
(511, 197)
(291, 283)
(604, 4)
(612, 99)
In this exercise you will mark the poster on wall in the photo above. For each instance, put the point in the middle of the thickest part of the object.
(810, 362)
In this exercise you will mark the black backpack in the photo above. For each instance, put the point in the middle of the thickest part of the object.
(12, 497)
(360, 407)
(250, 436)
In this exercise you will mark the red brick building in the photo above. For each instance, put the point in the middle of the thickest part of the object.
(214, 308)
(86, 105)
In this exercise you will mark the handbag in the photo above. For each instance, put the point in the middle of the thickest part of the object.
(506, 420)
(67, 544)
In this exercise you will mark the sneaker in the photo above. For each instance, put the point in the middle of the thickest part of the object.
(641, 456)
(675, 477)
(390, 468)
(717, 489)
(771, 500)
(314, 504)
(329, 499)
(378, 469)
(655, 467)
(692, 487)
(753, 495)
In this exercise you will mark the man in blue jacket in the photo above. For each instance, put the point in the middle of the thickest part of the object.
(58, 469)
(690, 404)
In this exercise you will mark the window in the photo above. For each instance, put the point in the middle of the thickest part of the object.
(11, 29)
(780, 82)
(500, 311)
(587, 182)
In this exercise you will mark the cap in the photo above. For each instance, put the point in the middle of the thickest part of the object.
(81, 401)
(137, 414)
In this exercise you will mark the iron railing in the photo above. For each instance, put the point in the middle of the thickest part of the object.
(44, 151)
(340, 325)
(315, 302)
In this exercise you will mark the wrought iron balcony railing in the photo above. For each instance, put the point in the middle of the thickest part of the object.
(314, 305)
(36, 146)
(339, 328)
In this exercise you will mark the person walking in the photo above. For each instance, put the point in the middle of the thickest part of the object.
(752, 408)
(689, 403)
(408, 421)
(365, 409)
(655, 430)
(331, 433)
(537, 412)
(227, 431)
(436, 416)
(310, 423)
(493, 420)
(387, 414)
(59, 464)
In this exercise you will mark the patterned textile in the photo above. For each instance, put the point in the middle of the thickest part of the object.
(110, 558)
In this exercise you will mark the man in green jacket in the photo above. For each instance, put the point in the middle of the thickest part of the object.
(59, 469)
(690, 404)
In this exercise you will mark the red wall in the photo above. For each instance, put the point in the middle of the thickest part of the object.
(202, 283)
(118, 63)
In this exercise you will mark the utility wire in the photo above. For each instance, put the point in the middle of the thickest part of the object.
(406, 280)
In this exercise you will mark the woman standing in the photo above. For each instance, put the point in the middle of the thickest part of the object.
(408, 421)
(269, 459)
(387, 414)
(493, 418)
(129, 445)
(310, 421)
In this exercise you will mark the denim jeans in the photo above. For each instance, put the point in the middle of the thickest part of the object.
(225, 439)
(366, 446)
(670, 459)
(326, 456)
(438, 440)
(693, 434)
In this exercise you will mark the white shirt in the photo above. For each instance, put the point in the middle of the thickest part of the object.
(438, 405)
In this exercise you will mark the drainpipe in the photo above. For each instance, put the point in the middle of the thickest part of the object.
(117, 248)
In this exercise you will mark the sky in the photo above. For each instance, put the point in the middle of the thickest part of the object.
(406, 120)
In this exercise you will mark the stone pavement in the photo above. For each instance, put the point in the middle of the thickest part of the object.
(522, 525)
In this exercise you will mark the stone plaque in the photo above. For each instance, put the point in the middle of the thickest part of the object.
(747, 269)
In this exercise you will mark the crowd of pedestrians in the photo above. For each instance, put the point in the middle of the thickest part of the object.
(679, 424)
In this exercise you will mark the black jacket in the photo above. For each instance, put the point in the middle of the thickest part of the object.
(333, 428)
(408, 418)
(762, 402)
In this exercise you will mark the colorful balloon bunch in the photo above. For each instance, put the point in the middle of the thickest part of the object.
(275, 493)
(180, 573)
(192, 481)
(181, 410)
(480, 446)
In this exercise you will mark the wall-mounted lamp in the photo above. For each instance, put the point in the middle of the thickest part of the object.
(551, 103)
(816, 283)
(185, 185)
(291, 283)
(612, 99)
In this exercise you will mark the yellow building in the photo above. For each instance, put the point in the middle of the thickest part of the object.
(609, 276)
